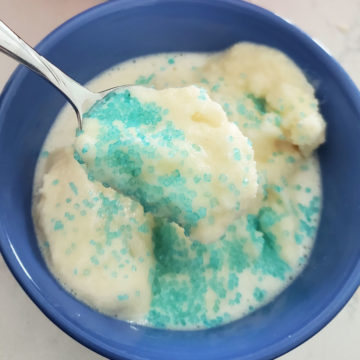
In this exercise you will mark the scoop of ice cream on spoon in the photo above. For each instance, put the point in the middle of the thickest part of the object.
(175, 152)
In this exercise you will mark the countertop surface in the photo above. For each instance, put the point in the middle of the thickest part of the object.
(25, 332)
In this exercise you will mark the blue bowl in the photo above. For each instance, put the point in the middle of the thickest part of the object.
(119, 30)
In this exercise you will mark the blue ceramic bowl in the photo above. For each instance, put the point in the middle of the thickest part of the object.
(119, 30)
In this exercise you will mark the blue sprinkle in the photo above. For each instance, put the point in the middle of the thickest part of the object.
(259, 294)
(73, 188)
(58, 225)
(237, 154)
(69, 216)
(85, 149)
(202, 212)
(299, 238)
(94, 260)
(215, 88)
(290, 159)
(44, 154)
(143, 80)
(227, 110)
(78, 132)
(202, 95)
(144, 228)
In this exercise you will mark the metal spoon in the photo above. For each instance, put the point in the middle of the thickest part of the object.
(79, 96)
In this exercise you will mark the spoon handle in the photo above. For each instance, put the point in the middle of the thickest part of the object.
(79, 96)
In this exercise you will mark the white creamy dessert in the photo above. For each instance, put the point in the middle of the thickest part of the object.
(133, 264)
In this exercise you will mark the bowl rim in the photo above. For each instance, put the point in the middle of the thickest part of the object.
(19, 271)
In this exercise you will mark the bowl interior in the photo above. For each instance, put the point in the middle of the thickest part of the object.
(116, 31)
